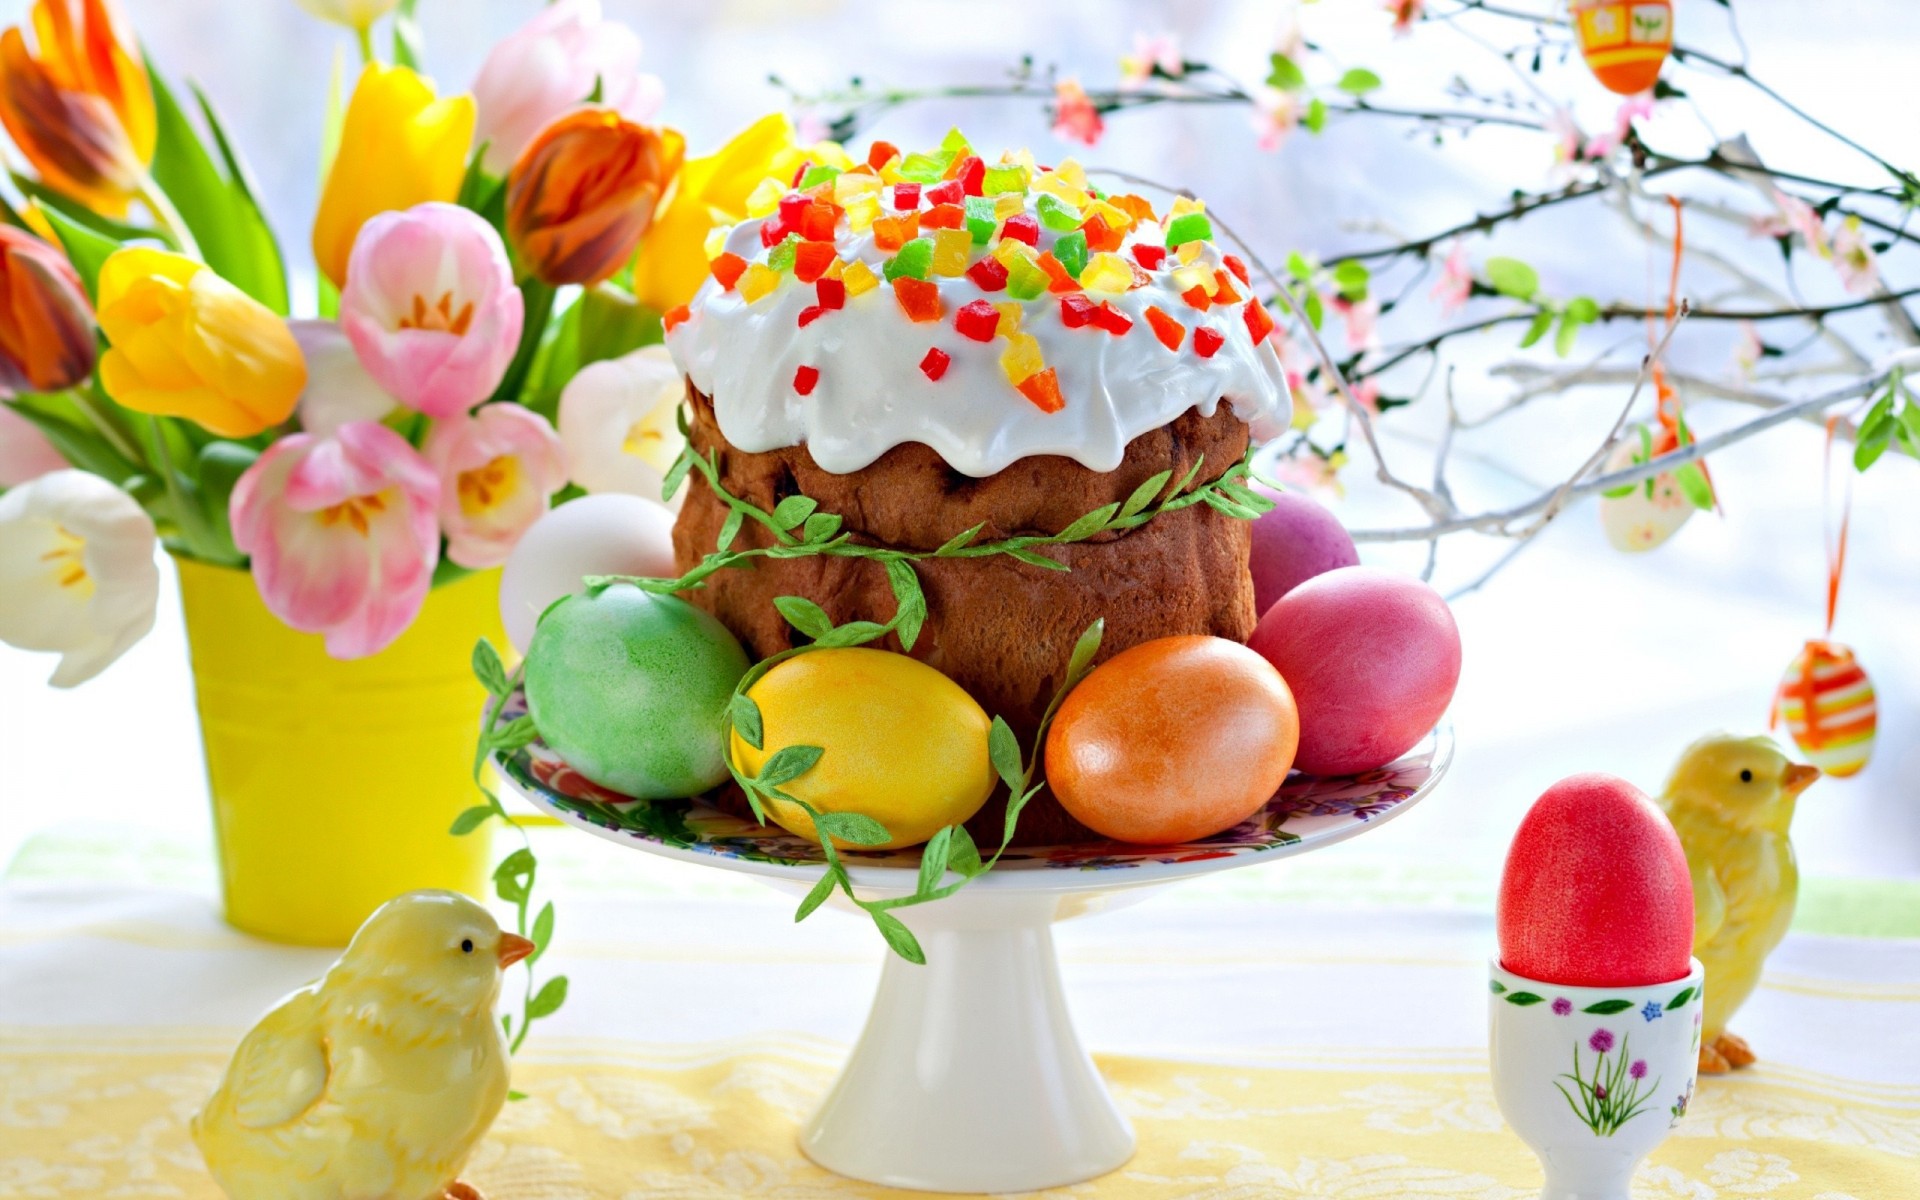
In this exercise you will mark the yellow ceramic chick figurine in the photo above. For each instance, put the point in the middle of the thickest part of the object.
(1731, 799)
(376, 1082)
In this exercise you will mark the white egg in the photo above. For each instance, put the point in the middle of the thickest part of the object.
(1648, 515)
(605, 534)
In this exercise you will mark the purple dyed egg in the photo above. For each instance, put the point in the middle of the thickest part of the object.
(1293, 543)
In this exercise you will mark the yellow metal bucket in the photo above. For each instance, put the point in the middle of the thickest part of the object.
(334, 782)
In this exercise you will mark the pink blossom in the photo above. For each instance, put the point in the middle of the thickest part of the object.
(431, 307)
(1366, 393)
(1567, 138)
(498, 469)
(1748, 351)
(1794, 217)
(1308, 471)
(1362, 321)
(1405, 13)
(342, 533)
(1456, 279)
(550, 66)
(1854, 259)
(1632, 109)
(1151, 52)
(1275, 115)
(1075, 119)
(1601, 1041)
(25, 452)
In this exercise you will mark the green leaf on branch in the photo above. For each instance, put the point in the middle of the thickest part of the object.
(1564, 338)
(1358, 81)
(1542, 321)
(1314, 119)
(1352, 278)
(1315, 310)
(1284, 73)
(1511, 277)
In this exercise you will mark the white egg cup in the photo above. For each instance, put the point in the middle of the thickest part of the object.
(1592, 1079)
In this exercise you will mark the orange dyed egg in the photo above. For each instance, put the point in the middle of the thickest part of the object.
(1625, 42)
(1173, 740)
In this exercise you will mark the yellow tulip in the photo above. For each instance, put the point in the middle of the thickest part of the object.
(713, 191)
(399, 146)
(186, 343)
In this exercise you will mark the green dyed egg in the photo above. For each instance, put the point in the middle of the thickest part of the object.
(628, 687)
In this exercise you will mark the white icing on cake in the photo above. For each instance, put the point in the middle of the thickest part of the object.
(872, 395)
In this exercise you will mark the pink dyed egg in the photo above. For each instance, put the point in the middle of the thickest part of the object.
(1372, 658)
(1596, 891)
(1296, 541)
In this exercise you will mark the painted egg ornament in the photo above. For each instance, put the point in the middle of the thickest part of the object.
(1596, 890)
(1292, 542)
(629, 688)
(1372, 658)
(900, 742)
(1645, 514)
(1827, 703)
(1172, 740)
(1625, 42)
(605, 534)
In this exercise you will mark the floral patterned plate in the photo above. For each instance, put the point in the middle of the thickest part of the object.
(1308, 812)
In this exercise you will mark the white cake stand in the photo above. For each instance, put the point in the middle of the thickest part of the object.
(969, 1076)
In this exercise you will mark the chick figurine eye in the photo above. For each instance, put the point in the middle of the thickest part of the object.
(466, 944)
(1746, 775)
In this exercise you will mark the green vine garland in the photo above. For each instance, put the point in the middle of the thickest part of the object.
(801, 530)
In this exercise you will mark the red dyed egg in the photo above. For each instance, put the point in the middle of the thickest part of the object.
(1372, 658)
(1596, 891)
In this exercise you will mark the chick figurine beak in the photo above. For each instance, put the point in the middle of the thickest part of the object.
(379, 1079)
(1732, 799)
(513, 947)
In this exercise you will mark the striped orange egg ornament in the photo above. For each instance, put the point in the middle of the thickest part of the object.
(1827, 703)
(1625, 42)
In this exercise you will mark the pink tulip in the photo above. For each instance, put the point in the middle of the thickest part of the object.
(497, 469)
(431, 308)
(342, 533)
(549, 67)
(25, 452)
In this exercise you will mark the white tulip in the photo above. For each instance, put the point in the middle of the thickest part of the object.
(354, 14)
(618, 422)
(77, 575)
(338, 389)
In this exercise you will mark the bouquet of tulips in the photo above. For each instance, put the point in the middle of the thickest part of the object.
(481, 339)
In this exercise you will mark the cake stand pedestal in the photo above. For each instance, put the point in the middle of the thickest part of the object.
(969, 1076)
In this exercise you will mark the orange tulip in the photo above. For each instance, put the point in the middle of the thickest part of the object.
(584, 192)
(80, 106)
(46, 328)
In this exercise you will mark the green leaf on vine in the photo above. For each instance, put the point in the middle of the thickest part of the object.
(488, 669)
(547, 1001)
(959, 541)
(899, 937)
(745, 715)
(513, 878)
(820, 527)
(788, 764)
(470, 820)
(794, 510)
(804, 615)
(1542, 321)
(857, 828)
(1315, 118)
(816, 897)
(1003, 750)
(1145, 494)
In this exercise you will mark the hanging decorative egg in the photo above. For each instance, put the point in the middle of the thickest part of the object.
(1827, 703)
(1625, 42)
(1645, 514)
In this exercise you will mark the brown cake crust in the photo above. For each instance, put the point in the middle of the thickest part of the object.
(999, 628)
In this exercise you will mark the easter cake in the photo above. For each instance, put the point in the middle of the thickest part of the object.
(936, 347)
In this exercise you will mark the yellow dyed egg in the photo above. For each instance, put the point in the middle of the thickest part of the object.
(1827, 703)
(900, 742)
(1625, 42)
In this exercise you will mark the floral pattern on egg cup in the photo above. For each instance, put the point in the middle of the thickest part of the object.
(1592, 1079)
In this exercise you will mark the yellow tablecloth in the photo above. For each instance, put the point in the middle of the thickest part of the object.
(1264, 1045)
